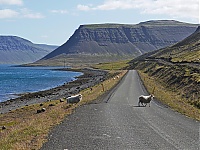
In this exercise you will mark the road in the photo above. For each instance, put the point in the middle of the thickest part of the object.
(119, 124)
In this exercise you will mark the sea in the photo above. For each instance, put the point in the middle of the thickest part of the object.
(16, 80)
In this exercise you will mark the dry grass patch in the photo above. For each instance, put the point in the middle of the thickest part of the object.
(113, 65)
(27, 130)
(169, 97)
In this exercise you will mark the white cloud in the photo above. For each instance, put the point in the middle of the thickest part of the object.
(26, 13)
(11, 2)
(23, 13)
(59, 11)
(174, 8)
(84, 7)
(8, 13)
(33, 16)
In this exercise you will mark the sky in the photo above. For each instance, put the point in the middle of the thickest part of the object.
(54, 21)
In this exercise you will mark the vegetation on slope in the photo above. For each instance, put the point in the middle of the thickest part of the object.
(171, 97)
(185, 51)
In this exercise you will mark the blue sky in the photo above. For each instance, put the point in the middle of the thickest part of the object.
(54, 21)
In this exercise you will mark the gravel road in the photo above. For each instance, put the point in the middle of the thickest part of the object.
(119, 124)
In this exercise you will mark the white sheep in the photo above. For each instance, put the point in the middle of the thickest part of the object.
(74, 99)
(145, 99)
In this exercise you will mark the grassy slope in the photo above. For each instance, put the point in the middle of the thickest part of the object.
(170, 97)
(187, 50)
(183, 80)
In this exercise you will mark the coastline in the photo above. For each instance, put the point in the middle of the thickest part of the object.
(89, 78)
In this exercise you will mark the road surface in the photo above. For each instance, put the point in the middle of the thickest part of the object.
(119, 124)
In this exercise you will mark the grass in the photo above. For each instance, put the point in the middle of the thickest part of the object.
(108, 25)
(113, 65)
(170, 97)
(193, 56)
(27, 130)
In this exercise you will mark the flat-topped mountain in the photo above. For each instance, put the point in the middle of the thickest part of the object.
(16, 50)
(109, 42)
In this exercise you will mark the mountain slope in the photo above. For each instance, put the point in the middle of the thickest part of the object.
(16, 50)
(187, 50)
(108, 42)
(176, 67)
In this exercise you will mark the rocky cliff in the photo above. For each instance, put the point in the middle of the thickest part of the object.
(16, 50)
(188, 50)
(121, 40)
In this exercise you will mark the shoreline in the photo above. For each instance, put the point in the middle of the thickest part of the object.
(89, 78)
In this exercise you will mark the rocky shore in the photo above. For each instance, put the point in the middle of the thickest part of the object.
(89, 78)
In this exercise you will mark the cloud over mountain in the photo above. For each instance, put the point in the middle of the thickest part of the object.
(173, 8)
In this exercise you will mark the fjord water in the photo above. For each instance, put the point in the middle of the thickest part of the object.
(17, 80)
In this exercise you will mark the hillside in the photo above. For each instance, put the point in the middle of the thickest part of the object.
(110, 42)
(187, 50)
(176, 67)
(16, 50)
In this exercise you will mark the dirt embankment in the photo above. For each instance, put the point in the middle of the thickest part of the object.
(89, 78)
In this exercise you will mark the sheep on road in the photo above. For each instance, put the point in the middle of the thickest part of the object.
(145, 99)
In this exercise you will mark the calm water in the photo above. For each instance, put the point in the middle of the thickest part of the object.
(16, 80)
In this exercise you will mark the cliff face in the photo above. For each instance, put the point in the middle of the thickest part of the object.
(188, 50)
(16, 50)
(123, 40)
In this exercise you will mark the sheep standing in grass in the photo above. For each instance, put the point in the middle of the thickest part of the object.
(74, 99)
(145, 99)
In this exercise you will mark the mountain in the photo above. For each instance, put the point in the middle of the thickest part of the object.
(16, 50)
(176, 67)
(109, 42)
(188, 50)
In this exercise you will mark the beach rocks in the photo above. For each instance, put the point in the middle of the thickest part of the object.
(62, 100)
(41, 110)
(52, 104)
(3, 128)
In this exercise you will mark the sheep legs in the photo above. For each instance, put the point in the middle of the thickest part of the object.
(143, 104)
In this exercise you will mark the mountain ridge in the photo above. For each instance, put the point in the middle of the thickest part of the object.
(120, 40)
(186, 50)
(17, 50)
